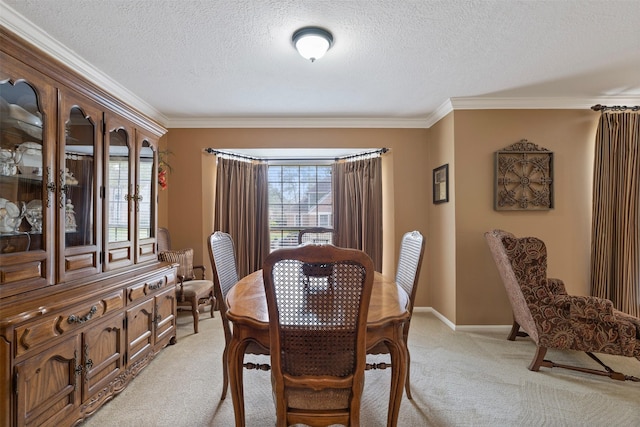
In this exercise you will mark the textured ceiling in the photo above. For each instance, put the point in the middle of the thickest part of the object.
(392, 59)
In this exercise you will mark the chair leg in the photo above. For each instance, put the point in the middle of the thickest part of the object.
(538, 359)
(196, 313)
(225, 371)
(212, 299)
(407, 384)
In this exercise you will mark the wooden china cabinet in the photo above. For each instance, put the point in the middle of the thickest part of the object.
(84, 302)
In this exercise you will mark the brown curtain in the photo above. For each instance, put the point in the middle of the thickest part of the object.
(242, 210)
(357, 199)
(615, 235)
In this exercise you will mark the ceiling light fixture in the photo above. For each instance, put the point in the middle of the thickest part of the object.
(312, 42)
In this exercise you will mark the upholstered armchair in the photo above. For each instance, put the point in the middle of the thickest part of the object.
(553, 319)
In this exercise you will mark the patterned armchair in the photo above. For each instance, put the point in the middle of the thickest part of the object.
(553, 319)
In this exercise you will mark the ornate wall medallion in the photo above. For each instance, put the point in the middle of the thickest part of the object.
(524, 178)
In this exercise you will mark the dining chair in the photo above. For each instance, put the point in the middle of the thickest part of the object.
(192, 293)
(225, 276)
(317, 333)
(407, 274)
(316, 235)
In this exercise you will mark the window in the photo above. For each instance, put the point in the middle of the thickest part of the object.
(299, 197)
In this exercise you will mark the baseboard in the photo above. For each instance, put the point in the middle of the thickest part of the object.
(462, 328)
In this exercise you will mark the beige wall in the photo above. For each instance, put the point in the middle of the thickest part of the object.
(441, 244)
(188, 201)
(570, 135)
(458, 278)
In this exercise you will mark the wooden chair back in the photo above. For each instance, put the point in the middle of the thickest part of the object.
(318, 298)
(318, 235)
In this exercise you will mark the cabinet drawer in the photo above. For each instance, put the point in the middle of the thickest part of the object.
(141, 290)
(40, 331)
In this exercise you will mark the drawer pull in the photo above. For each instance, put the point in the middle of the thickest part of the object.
(81, 319)
(157, 285)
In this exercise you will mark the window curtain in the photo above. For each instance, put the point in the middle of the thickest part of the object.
(357, 190)
(615, 235)
(242, 210)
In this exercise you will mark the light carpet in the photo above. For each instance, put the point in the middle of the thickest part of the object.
(457, 378)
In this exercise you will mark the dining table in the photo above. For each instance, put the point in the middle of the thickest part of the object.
(388, 311)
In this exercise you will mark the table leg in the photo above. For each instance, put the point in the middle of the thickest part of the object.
(237, 348)
(399, 356)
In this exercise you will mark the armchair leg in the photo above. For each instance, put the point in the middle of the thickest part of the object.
(538, 359)
(514, 331)
(212, 299)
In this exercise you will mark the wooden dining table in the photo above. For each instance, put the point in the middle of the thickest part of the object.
(247, 310)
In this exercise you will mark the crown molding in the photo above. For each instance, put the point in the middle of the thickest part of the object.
(27, 30)
(539, 103)
(445, 108)
(298, 122)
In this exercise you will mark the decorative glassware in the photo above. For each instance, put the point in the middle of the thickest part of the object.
(34, 215)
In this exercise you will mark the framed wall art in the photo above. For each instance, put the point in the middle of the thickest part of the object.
(441, 184)
(523, 178)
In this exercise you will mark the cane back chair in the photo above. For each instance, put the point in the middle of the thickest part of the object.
(225, 275)
(318, 299)
(553, 319)
(407, 274)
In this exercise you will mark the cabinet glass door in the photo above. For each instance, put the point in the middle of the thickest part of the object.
(119, 194)
(78, 197)
(21, 169)
(146, 200)
(118, 186)
(77, 180)
(145, 187)
(27, 123)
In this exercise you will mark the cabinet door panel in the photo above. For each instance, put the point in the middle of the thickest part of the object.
(47, 385)
(139, 331)
(165, 315)
(102, 355)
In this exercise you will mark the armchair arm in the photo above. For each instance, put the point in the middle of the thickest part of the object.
(556, 286)
(583, 308)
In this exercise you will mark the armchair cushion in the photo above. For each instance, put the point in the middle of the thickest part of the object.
(184, 259)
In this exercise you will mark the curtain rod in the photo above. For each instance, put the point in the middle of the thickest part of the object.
(226, 153)
(273, 159)
(603, 108)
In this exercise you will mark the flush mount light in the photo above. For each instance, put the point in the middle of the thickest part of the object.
(312, 42)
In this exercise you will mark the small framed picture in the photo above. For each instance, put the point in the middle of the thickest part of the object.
(441, 184)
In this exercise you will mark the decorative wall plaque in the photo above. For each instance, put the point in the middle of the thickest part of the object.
(524, 178)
